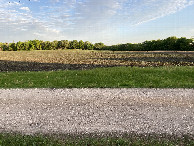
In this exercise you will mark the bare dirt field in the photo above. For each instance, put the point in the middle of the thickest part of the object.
(84, 59)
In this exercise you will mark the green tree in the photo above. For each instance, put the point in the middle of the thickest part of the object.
(30, 45)
(98, 46)
(54, 45)
(88, 46)
(65, 44)
(170, 43)
(1, 44)
(147, 46)
(37, 45)
(59, 45)
(47, 45)
(192, 44)
(20, 46)
(73, 44)
(26, 45)
(184, 44)
(81, 45)
(12, 47)
(5, 47)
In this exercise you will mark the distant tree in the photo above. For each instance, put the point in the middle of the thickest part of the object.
(43, 45)
(26, 45)
(184, 44)
(98, 46)
(88, 46)
(192, 44)
(30, 45)
(1, 46)
(122, 47)
(20, 46)
(73, 44)
(159, 45)
(132, 47)
(81, 45)
(38, 44)
(47, 45)
(54, 45)
(64, 44)
(107, 48)
(12, 47)
(59, 45)
(5, 47)
(170, 43)
(147, 46)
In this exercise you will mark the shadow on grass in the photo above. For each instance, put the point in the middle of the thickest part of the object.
(6, 65)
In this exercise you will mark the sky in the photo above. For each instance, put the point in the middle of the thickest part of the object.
(107, 21)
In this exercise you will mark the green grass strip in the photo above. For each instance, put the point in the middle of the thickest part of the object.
(40, 140)
(116, 77)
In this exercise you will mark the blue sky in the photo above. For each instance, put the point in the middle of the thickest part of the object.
(107, 21)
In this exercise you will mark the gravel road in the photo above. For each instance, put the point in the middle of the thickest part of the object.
(31, 111)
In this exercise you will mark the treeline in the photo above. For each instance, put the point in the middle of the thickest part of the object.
(47, 45)
(170, 43)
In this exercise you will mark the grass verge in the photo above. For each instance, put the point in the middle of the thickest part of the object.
(115, 77)
(41, 140)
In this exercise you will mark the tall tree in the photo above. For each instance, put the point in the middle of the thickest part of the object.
(81, 45)
(98, 46)
(73, 44)
(20, 46)
(170, 43)
(88, 46)
(12, 47)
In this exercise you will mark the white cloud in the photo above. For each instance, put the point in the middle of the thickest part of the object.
(17, 25)
(192, 30)
(136, 12)
(25, 8)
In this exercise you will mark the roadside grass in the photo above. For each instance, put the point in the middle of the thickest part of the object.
(40, 140)
(114, 77)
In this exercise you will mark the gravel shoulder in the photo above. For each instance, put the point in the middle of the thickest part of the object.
(139, 110)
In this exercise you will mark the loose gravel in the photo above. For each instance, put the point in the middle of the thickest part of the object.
(142, 110)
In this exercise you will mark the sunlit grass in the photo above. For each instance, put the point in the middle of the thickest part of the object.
(116, 77)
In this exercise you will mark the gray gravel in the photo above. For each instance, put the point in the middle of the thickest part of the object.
(31, 111)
